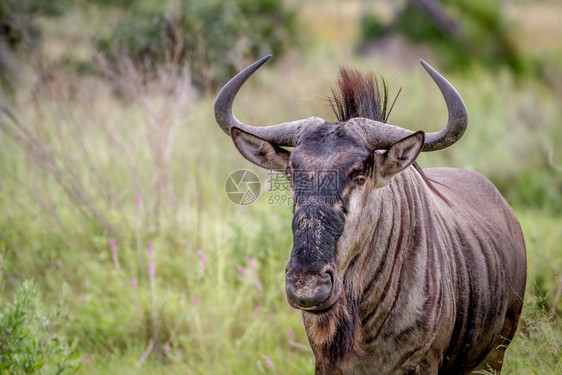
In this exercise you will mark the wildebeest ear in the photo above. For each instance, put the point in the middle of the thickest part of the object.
(398, 157)
(259, 151)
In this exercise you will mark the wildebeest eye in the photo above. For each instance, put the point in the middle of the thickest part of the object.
(360, 179)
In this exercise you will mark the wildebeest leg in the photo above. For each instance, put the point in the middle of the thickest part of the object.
(427, 367)
(494, 360)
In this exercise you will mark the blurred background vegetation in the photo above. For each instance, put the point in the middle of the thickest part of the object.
(119, 250)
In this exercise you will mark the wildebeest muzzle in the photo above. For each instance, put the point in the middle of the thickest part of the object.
(312, 290)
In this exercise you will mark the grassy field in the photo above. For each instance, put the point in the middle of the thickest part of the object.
(115, 187)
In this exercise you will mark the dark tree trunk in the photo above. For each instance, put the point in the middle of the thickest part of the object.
(438, 15)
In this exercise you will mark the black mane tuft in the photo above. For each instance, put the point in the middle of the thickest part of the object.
(358, 95)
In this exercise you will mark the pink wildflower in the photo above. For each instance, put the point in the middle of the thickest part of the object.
(269, 362)
(196, 301)
(87, 359)
(134, 282)
(257, 311)
(202, 258)
(243, 271)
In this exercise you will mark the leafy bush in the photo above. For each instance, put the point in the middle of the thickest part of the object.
(471, 30)
(28, 341)
(18, 30)
(214, 38)
(372, 27)
(17, 18)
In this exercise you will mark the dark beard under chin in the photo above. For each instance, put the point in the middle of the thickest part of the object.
(335, 333)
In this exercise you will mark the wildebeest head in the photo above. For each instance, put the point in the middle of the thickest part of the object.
(333, 168)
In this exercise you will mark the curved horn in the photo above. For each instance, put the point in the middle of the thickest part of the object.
(458, 116)
(281, 134)
(385, 134)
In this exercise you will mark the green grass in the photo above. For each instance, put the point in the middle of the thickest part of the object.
(97, 145)
(537, 346)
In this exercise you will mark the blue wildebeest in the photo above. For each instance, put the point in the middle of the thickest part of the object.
(404, 270)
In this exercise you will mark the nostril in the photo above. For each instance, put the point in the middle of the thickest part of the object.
(305, 291)
(326, 278)
(329, 273)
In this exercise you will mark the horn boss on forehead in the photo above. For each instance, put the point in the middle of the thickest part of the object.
(383, 134)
